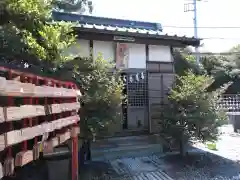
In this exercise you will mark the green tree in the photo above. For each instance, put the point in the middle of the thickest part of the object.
(80, 6)
(102, 93)
(183, 62)
(103, 97)
(192, 112)
(224, 68)
(27, 36)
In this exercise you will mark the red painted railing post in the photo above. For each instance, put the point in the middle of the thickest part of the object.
(36, 102)
(10, 103)
(74, 153)
(24, 79)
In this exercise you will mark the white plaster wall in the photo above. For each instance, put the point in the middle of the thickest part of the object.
(137, 56)
(105, 48)
(160, 53)
(81, 48)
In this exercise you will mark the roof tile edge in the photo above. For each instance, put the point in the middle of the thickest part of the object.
(63, 16)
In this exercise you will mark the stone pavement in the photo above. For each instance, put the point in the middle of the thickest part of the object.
(140, 168)
(137, 168)
(228, 145)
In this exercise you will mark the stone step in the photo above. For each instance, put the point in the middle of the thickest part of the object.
(124, 141)
(126, 151)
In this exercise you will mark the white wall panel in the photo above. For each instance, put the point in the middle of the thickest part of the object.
(160, 53)
(137, 56)
(105, 48)
(81, 48)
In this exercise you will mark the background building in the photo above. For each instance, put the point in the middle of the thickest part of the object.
(143, 53)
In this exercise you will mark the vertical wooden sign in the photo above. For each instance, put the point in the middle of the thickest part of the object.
(122, 56)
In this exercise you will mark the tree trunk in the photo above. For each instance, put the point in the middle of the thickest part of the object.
(183, 147)
(89, 155)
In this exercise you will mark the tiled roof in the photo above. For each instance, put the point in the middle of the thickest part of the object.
(130, 30)
(102, 21)
(149, 29)
(121, 29)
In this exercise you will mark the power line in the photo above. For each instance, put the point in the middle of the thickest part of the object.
(221, 38)
(204, 27)
(211, 53)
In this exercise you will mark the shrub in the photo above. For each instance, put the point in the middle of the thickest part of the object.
(192, 113)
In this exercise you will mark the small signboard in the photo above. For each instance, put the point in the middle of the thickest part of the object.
(122, 56)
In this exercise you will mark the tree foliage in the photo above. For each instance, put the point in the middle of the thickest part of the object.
(103, 95)
(183, 62)
(102, 92)
(192, 111)
(27, 33)
(80, 6)
(224, 68)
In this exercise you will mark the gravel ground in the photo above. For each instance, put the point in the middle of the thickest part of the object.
(201, 166)
(204, 164)
(97, 171)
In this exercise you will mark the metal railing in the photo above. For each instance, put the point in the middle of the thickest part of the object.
(230, 103)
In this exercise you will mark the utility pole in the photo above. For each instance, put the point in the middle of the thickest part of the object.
(195, 29)
(193, 7)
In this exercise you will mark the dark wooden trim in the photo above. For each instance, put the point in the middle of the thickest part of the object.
(147, 52)
(173, 60)
(158, 67)
(115, 51)
(138, 40)
(181, 40)
(91, 43)
(91, 47)
(148, 105)
(159, 62)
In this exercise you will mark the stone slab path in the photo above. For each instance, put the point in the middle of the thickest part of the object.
(142, 168)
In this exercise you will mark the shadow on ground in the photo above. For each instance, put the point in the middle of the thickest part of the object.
(97, 171)
(201, 165)
(32, 171)
(198, 165)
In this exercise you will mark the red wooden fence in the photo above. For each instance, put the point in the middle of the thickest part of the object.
(31, 108)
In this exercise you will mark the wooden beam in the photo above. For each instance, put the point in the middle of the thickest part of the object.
(138, 40)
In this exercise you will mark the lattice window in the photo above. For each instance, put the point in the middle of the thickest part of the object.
(137, 92)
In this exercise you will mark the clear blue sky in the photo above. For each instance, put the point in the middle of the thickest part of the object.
(171, 13)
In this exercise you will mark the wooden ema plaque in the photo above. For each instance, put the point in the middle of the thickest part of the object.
(2, 117)
(36, 151)
(23, 157)
(50, 144)
(13, 88)
(48, 147)
(2, 142)
(64, 137)
(8, 167)
(1, 171)
(24, 111)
